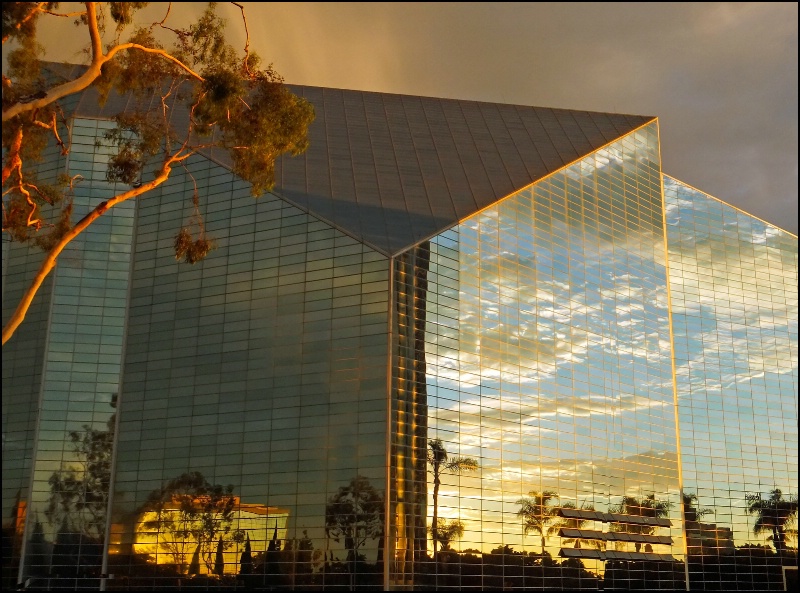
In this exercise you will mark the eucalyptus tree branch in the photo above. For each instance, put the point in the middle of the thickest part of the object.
(18, 26)
(52, 256)
(93, 71)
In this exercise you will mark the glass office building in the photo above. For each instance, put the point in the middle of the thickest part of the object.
(460, 346)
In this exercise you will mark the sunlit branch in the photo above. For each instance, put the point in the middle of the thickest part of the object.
(13, 159)
(163, 53)
(62, 14)
(166, 16)
(94, 33)
(94, 69)
(54, 127)
(18, 26)
(52, 256)
(247, 39)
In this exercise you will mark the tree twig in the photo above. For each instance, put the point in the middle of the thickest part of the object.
(246, 59)
(166, 16)
(54, 127)
(63, 14)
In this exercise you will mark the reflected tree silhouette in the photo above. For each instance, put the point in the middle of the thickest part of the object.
(355, 514)
(219, 559)
(649, 506)
(38, 556)
(774, 515)
(691, 511)
(440, 463)
(197, 516)
(702, 538)
(78, 502)
(79, 492)
(447, 531)
(246, 559)
(539, 513)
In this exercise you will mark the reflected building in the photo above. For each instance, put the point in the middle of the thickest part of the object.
(459, 345)
(163, 537)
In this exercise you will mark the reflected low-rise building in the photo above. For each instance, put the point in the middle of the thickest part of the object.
(174, 532)
(459, 345)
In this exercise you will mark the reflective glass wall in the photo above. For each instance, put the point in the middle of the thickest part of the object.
(237, 409)
(534, 436)
(733, 282)
(23, 359)
(63, 518)
(251, 447)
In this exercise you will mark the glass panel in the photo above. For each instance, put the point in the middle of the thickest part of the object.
(532, 378)
(733, 281)
(66, 506)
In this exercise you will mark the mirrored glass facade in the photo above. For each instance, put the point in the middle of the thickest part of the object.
(589, 383)
(252, 410)
(254, 400)
(23, 365)
(74, 400)
(542, 382)
(733, 281)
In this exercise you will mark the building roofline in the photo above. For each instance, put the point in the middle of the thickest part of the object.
(531, 184)
(708, 195)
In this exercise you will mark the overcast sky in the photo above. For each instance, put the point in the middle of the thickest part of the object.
(722, 78)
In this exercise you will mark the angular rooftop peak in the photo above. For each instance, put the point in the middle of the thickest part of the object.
(392, 170)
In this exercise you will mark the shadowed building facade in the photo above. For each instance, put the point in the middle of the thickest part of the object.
(459, 345)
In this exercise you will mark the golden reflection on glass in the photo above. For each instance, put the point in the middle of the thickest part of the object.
(263, 370)
(174, 535)
(547, 362)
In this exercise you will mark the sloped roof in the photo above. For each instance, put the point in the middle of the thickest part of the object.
(393, 170)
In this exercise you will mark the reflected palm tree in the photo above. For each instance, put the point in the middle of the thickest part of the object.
(774, 515)
(447, 531)
(441, 464)
(649, 506)
(691, 511)
(540, 514)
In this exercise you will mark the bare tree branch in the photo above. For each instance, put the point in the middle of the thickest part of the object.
(40, 108)
(54, 127)
(166, 16)
(63, 14)
(246, 60)
(94, 33)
